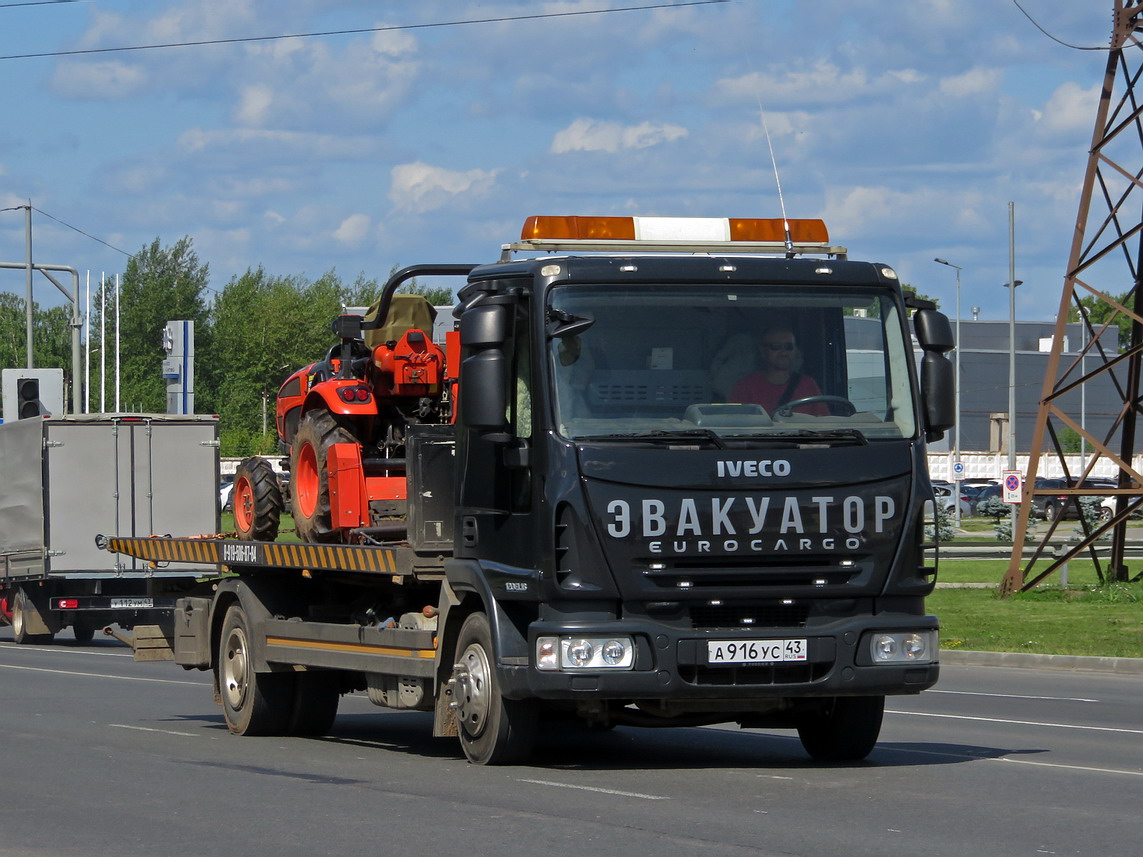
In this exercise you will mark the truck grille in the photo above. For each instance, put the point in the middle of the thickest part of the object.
(738, 614)
(744, 676)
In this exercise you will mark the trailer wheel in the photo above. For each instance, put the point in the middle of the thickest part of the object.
(492, 730)
(316, 697)
(257, 500)
(20, 607)
(309, 476)
(253, 703)
(83, 634)
(846, 731)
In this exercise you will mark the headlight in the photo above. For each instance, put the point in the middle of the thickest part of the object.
(903, 647)
(585, 653)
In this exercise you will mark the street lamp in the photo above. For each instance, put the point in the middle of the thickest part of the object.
(956, 393)
(1011, 285)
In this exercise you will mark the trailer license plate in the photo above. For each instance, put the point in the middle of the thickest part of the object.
(132, 603)
(755, 651)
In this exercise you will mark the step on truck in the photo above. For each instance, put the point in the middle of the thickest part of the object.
(65, 480)
(573, 511)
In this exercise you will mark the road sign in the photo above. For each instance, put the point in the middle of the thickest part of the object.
(1013, 484)
(958, 469)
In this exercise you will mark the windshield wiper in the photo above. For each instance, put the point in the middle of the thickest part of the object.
(841, 435)
(662, 435)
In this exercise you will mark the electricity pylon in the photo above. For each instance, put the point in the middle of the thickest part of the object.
(1105, 262)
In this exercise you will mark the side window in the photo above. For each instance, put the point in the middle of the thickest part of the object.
(520, 417)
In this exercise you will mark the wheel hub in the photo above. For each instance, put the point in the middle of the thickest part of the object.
(234, 665)
(468, 688)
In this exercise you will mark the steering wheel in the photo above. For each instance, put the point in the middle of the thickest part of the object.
(848, 409)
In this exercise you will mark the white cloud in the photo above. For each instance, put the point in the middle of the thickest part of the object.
(973, 83)
(590, 135)
(822, 83)
(1070, 108)
(254, 104)
(420, 187)
(353, 230)
(110, 80)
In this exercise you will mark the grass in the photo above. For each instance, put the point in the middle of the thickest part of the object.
(285, 531)
(1105, 622)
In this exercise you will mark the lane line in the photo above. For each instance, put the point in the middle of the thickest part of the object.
(1014, 696)
(147, 729)
(1067, 767)
(639, 795)
(102, 675)
(59, 650)
(1115, 729)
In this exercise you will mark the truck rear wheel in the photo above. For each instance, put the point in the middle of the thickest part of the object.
(253, 703)
(21, 606)
(845, 731)
(493, 730)
(316, 698)
(257, 500)
(309, 476)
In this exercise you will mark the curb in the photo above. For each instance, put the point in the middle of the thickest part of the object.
(1024, 660)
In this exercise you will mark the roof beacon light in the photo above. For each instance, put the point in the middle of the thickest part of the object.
(675, 234)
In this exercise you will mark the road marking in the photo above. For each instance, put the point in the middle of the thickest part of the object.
(1068, 767)
(595, 789)
(1014, 696)
(146, 729)
(59, 650)
(101, 675)
(1021, 722)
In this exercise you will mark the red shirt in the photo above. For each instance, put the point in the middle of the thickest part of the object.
(756, 389)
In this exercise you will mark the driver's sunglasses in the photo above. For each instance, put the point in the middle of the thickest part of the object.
(780, 346)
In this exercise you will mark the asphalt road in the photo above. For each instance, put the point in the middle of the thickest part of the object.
(102, 755)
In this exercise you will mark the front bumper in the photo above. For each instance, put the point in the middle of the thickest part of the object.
(672, 663)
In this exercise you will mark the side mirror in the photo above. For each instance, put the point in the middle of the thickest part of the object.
(484, 326)
(483, 396)
(934, 332)
(938, 391)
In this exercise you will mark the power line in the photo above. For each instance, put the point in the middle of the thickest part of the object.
(364, 30)
(81, 232)
(36, 3)
(1036, 24)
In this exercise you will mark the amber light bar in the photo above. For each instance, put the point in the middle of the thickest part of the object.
(674, 235)
(765, 230)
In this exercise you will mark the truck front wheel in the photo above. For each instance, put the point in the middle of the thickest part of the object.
(309, 476)
(253, 703)
(846, 730)
(257, 500)
(493, 730)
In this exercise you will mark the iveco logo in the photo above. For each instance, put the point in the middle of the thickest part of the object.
(763, 467)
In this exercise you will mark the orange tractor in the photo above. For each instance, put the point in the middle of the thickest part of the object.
(342, 421)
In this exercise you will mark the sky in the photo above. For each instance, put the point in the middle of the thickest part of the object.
(434, 129)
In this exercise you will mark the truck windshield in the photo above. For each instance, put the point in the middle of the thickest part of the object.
(695, 361)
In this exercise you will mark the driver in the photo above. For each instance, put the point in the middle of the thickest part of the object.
(777, 382)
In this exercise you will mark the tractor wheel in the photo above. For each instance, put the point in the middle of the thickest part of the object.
(257, 501)
(309, 476)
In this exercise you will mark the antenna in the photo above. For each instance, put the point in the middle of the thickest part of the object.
(777, 179)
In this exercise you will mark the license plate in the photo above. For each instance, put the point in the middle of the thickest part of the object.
(755, 651)
(132, 603)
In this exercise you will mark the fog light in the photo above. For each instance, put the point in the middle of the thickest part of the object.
(613, 652)
(580, 652)
(903, 647)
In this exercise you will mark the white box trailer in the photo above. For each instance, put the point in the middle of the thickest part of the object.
(64, 480)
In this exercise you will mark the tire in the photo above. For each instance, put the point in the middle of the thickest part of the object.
(253, 703)
(20, 607)
(1104, 514)
(256, 500)
(309, 477)
(1051, 512)
(316, 697)
(492, 730)
(83, 634)
(846, 731)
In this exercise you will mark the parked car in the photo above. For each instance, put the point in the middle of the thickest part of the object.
(944, 497)
(987, 492)
(1066, 506)
(225, 493)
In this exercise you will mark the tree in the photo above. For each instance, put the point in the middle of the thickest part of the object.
(159, 285)
(1098, 313)
(51, 338)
